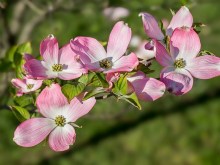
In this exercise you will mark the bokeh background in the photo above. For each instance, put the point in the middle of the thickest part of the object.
(173, 130)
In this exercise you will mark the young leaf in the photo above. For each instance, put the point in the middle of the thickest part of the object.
(10, 53)
(70, 91)
(24, 100)
(121, 86)
(24, 48)
(132, 99)
(20, 113)
(98, 80)
(86, 78)
(94, 93)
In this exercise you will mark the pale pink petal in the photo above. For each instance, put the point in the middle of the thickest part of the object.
(18, 83)
(162, 56)
(182, 18)
(51, 100)
(88, 49)
(35, 69)
(79, 108)
(147, 89)
(37, 83)
(69, 75)
(184, 43)
(49, 50)
(72, 66)
(205, 67)
(111, 78)
(151, 26)
(124, 64)
(33, 131)
(118, 41)
(68, 57)
(177, 82)
(146, 51)
(62, 137)
(138, 75)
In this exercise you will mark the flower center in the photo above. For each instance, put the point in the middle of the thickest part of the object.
(30, 86)
(180, 63)
(60, 120)
(106, 64)
(57, 67)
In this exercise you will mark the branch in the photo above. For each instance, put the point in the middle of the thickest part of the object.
(156, 112)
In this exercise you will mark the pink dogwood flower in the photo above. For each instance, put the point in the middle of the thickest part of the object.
(26, 85)
(182, 63)
(95, 58)
(183, 17)
(146, 89)
(57, 122)
(57, 63)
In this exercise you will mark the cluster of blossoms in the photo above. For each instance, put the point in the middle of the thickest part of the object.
(67, 81)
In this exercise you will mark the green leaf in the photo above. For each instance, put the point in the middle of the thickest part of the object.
(24, 48)
(70, 91)
(24, 100)
(10, 53)
(144, 69)
(20, 113)
(132, 99)
(86, 78)
(48, 82)
(93, 93)
(98, 80)
(121, 86)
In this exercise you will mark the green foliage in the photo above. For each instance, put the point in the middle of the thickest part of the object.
(71, 91)
(132, 99)
(24, 100)
(18, 57)
(94, 79)
(94, 92)
(20, 113)
(121, 90)
(121, 86)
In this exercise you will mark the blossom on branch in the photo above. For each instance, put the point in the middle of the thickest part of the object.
(95, 58)
(57, 63)
(57, 122)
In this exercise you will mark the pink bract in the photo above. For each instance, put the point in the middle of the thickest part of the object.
(59, 116)
(147, 89)
(182, 63)
(57, 63)
(95, 58)
(26, 85)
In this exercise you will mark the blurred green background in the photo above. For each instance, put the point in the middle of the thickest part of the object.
(170, 131)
